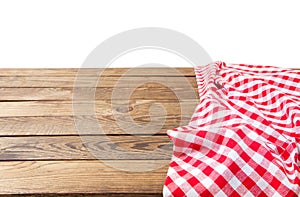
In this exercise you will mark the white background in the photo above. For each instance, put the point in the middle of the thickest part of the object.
(61, 33)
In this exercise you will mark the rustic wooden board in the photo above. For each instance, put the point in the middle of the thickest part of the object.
(65, 125)
(71, 72)
(42, 152)
(79, 177)
(88, 194)
(76, 148)
(56, 117)
(136, 108)
(65, 94)
(106, 82)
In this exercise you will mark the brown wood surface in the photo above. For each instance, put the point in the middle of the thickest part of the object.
(71, 72)
(105, 82)
(65, 125)
(57, 117)
(65, 94)
(136, 108)
(78, 177)
(75, 148)
(42, 152)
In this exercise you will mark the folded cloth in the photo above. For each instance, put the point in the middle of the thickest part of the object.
(243, 139)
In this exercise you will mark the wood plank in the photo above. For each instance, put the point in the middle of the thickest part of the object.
(63, 94)
(78, 148)
(56, 117)
(136, 109)
(107, 82)
(79, 177)
(65, 125)
(71, 72)
(85, 195)
(133, 119)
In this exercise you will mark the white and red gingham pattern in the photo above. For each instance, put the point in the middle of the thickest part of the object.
(243, 139)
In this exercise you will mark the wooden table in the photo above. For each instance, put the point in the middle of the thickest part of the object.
(41, 151)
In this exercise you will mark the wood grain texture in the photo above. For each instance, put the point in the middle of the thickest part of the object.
(65, 94)
(136, 108)
(76, 148)
(85, 195)
(79, 177)
(50, 141)
(106, 82)
(57, 117)
(65, 125)
(71, 72)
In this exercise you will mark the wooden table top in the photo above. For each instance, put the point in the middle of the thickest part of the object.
(42, 151)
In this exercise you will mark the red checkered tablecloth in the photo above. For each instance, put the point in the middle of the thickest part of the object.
(243, 139)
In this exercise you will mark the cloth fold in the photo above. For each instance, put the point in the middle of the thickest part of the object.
(243, 138)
